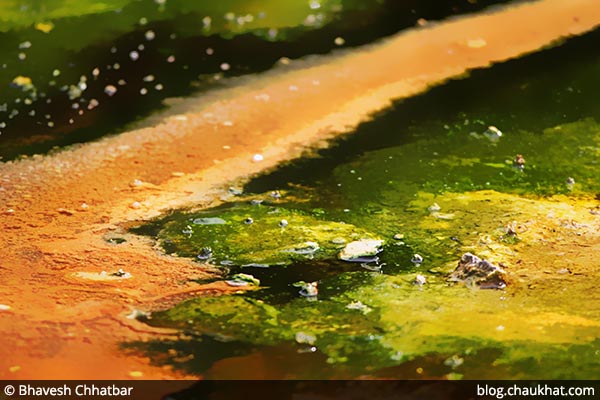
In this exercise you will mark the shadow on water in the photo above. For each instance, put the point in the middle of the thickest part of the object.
(382, 182)
(149, 51)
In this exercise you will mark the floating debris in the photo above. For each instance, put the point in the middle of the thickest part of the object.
(239, 280)
(135, 314)
(308, 289)
(519, 162)
(205, 254)
(420, 280)
(306, 248)
(357, 305)
(434, 207)
(305, 338)
(361, 251)
(492, 133)
(209, 221)
(454, 361)
(474, 271)
(416, 259)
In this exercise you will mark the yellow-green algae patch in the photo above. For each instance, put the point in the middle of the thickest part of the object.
(258, 234)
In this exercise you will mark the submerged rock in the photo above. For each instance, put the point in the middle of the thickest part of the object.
(474, 271)
(361, 251)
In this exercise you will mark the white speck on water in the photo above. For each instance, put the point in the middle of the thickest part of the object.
(143, 21)
(137, 183)
(143, 91)
(149, 35)
(25, 45)
(141, 47)
(272, 33)
(285, 61)
(134, 55)
(149, 78)
(346, 210)
(210, 51)
(227, 123)
(93, 104)
(75, 106)
(4, 307)
(113, 50)
(416, 259)
(121, 82)
(206, 22)
(229, 16)
(171, 59)
(116, 66)
(500, 328)
(84, 206)
(110, 90)
(339, 41)
(50, 124)
(56, 72)
(159, 86)
(257, 158)
(314, 5)
(22, 56)
(136, 205)
(225, 67)
(226, 147)
(96, 72)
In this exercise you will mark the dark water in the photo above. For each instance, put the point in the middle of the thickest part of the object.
(71, 53)
(425, 172)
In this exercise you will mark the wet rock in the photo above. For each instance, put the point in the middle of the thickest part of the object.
(416, 259)
(474, 271)
(243, 280)
(361, 251)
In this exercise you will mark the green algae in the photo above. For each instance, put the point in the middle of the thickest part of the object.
(443, 189)
(244, 234)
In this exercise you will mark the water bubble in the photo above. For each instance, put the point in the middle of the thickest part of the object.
(22, 56)
(171, 59)
(149, 35)
(116, 66)
(134, 55)
(158, 86)
(110, 90)
(143, 91)
(225, 67)
(96, 72)
(257, 158)
(210, 51)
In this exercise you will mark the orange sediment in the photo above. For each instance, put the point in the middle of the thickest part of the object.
(65, 319)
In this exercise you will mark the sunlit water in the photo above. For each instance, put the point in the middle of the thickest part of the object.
(74, 71)
(427, 177)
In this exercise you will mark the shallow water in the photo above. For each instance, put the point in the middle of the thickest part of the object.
(61, 59)
(425, 172)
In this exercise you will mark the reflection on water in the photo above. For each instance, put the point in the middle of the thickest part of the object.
(73, 71)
